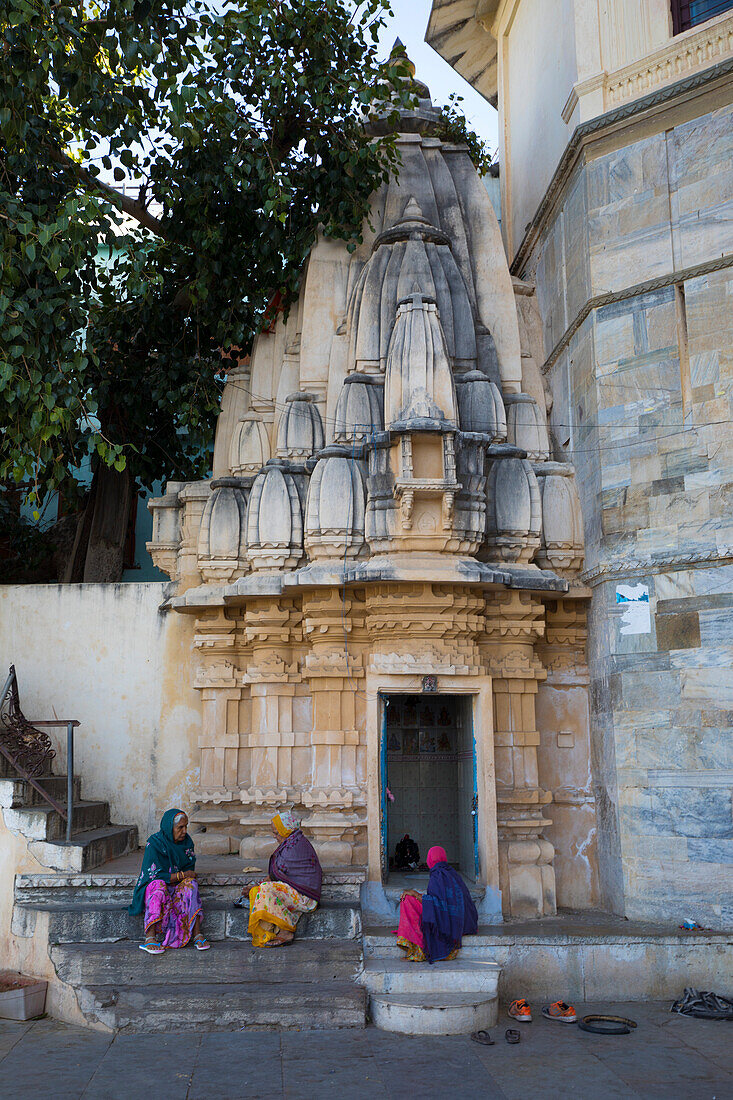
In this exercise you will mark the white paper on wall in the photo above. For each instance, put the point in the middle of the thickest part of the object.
(636, 618)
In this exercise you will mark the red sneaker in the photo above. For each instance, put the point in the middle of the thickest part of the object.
(520, 1010)
(560, 1011)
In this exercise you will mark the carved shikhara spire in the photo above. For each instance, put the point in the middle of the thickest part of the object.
(384, 506)
(419, 385)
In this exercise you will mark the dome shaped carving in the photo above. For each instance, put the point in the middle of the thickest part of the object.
(513, 511)
(561, 539)
(300, 431)
(527, 427)
(250, 446)
(275, 519)
(419, 382)
(411, 252)
(359, 409)
(335, 508)
(480, 406)
(222, 535)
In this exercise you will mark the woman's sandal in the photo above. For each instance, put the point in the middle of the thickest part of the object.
(512, 1035)
(152, 947)
(483, 1037)
(201, 943)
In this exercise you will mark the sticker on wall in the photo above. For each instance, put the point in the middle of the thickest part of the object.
(635, 600)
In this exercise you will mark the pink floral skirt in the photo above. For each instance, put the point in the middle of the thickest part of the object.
(177, 907)
(409, 932)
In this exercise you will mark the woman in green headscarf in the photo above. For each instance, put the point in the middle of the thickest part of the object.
(167, 891)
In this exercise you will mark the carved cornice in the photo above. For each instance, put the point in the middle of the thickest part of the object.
(655, 563)
(679, 57)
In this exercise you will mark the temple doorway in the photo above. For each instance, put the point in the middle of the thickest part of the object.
(429, 779)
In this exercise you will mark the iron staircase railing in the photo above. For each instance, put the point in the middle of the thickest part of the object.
(30, 751)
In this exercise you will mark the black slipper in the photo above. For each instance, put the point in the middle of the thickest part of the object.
(512, 1035)
(483, 1037)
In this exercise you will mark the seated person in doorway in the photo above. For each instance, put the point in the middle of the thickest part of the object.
(293, 886)
(167, 891)
(406, 854)
(432, 925)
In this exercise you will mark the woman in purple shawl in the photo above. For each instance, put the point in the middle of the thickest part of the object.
(432, 925)
(293, 886)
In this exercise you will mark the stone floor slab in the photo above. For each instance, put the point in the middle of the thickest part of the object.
(237, 1066)
(52, 1059)
(129, 1060)
(665, 1057)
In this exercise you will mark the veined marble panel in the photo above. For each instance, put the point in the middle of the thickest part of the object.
(701, 187)
(629, 231)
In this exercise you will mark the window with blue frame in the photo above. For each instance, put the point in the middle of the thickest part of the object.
(689, 13)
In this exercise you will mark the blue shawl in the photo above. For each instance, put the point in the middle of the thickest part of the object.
(448, 913)
(161, 858)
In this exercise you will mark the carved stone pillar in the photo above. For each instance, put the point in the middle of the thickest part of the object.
(272, 673)
(218, 680)
(514, 622)
(192, 498)
(333, 778)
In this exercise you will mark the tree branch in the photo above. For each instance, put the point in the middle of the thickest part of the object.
(133, 207)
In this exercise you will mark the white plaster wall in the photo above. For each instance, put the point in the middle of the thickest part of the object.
(105, 655)
(539, 70)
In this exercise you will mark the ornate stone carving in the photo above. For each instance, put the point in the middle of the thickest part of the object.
(418, 387)
(221, 545)
(221, 674)
(166, 537)
(334, 512)
(513, 511)
(359, 410)
(250, 446)
(274, 519)
(480, 406)
(526, 426)
(561, 538)
(409, 253)
(300, 430)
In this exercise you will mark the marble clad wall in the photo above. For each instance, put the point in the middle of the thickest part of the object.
(642, 402)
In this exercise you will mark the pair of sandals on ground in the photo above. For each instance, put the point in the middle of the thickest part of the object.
(521, 1011)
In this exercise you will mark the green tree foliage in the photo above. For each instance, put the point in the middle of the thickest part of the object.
(241, 123)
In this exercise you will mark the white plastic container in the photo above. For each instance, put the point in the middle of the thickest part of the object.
(24, 1002)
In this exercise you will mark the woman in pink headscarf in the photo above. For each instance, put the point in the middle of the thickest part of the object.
(432, 925)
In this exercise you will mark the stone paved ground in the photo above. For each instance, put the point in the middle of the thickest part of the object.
(667, 1056)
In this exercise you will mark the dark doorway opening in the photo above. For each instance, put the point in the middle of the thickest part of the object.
(430, 777)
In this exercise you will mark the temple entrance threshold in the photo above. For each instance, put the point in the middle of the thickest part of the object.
(429, 780)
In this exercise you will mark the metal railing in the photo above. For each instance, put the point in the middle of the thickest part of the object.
(30, 751)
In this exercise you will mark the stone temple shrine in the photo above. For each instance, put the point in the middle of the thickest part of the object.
(389, 630)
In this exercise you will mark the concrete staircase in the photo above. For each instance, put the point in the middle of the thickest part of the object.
(95, 840)
(448, 998)
(93, 946)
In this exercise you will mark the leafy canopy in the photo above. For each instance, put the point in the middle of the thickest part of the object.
(241, 123)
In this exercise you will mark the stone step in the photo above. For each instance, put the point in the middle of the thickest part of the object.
(227, 963)
(42, 822)
(433, 1013)
(7, 771)
(453, 976)
(382, 946)
(89, 923)
(97, 886)
(56, 787)
(16, 793)
(215, 1007)
(88, 849)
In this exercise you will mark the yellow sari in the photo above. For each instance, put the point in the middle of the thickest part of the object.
(274, 907)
